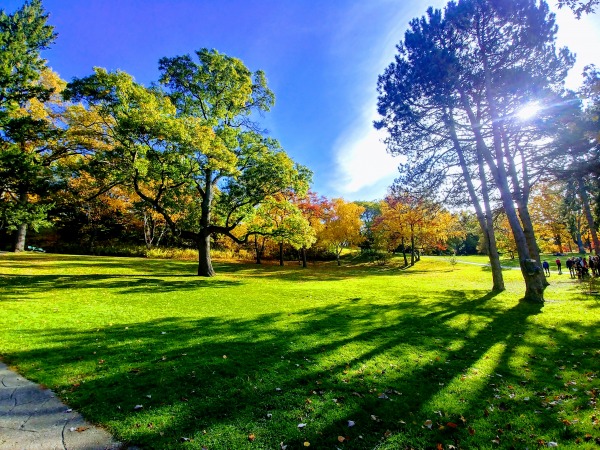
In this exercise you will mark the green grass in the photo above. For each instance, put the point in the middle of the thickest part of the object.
(258, 350)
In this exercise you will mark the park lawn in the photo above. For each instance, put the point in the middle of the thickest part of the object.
(419, 358)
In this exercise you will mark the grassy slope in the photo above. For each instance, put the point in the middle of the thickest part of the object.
(258, 350)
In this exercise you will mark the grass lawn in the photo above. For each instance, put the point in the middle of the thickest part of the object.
(419, 358)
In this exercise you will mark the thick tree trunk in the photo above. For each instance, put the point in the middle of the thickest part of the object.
(588, 214)
(205, 268)
(20, 238)
(22, 228)
(304, 264)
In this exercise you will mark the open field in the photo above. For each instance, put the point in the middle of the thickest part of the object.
(414, 358)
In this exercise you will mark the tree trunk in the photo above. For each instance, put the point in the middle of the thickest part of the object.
(22, 228)
(257, 250)
(404, 253)
(485, 220)
(304, 264)
(281, 253)
(337, 257)
(588, 214)
(533, 279)
(412, 246)
(493, 255)
(205, 268)
(20, 238)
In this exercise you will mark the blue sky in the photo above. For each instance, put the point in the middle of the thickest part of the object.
(321, 58)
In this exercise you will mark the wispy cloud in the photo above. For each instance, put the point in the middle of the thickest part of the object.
(364, 170)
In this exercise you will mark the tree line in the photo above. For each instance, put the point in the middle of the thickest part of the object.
(105, 159)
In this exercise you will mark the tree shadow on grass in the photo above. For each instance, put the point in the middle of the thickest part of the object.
(322, 366)
(23, 287)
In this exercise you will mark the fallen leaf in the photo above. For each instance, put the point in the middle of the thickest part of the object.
(184, 439)
(306, 444)
(428, 424)
(341, 438)
(301, 425)
(282, 446)
(138, 407)
(251, 437)
(387, 434)
(351, 423)
(552, 444)
(471, 431)
(451, 425)
(224, 356)
(383, 396)
(269, 416)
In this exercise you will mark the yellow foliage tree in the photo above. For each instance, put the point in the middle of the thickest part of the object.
(341, 226)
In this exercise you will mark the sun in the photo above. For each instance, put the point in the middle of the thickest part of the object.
(528, 111)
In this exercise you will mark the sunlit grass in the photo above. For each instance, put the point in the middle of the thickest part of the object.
(238, 361)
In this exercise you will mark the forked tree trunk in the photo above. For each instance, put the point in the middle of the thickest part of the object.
(484, 219)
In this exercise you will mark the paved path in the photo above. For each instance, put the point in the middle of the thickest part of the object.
(33, 418)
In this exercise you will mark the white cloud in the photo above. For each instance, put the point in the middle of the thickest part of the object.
(582, 37)
(365, 169)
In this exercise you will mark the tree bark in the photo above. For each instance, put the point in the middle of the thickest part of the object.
(257, 249)
(22, 228)
(205, 268)
(281, 253)
(485, 220)
(588, 214)
(412, 246)
(304, 263)
(533, 279)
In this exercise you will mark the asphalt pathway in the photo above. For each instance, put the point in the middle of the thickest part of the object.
(33, 418)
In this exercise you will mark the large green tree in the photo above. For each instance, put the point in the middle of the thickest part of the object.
(28, 131)
(192, 153)
(475, 67)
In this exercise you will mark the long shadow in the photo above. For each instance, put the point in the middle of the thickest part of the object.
(22, 287)
(349, 362)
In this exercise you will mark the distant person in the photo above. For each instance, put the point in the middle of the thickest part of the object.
(559, 265)
(546, 267)
(571, 267)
